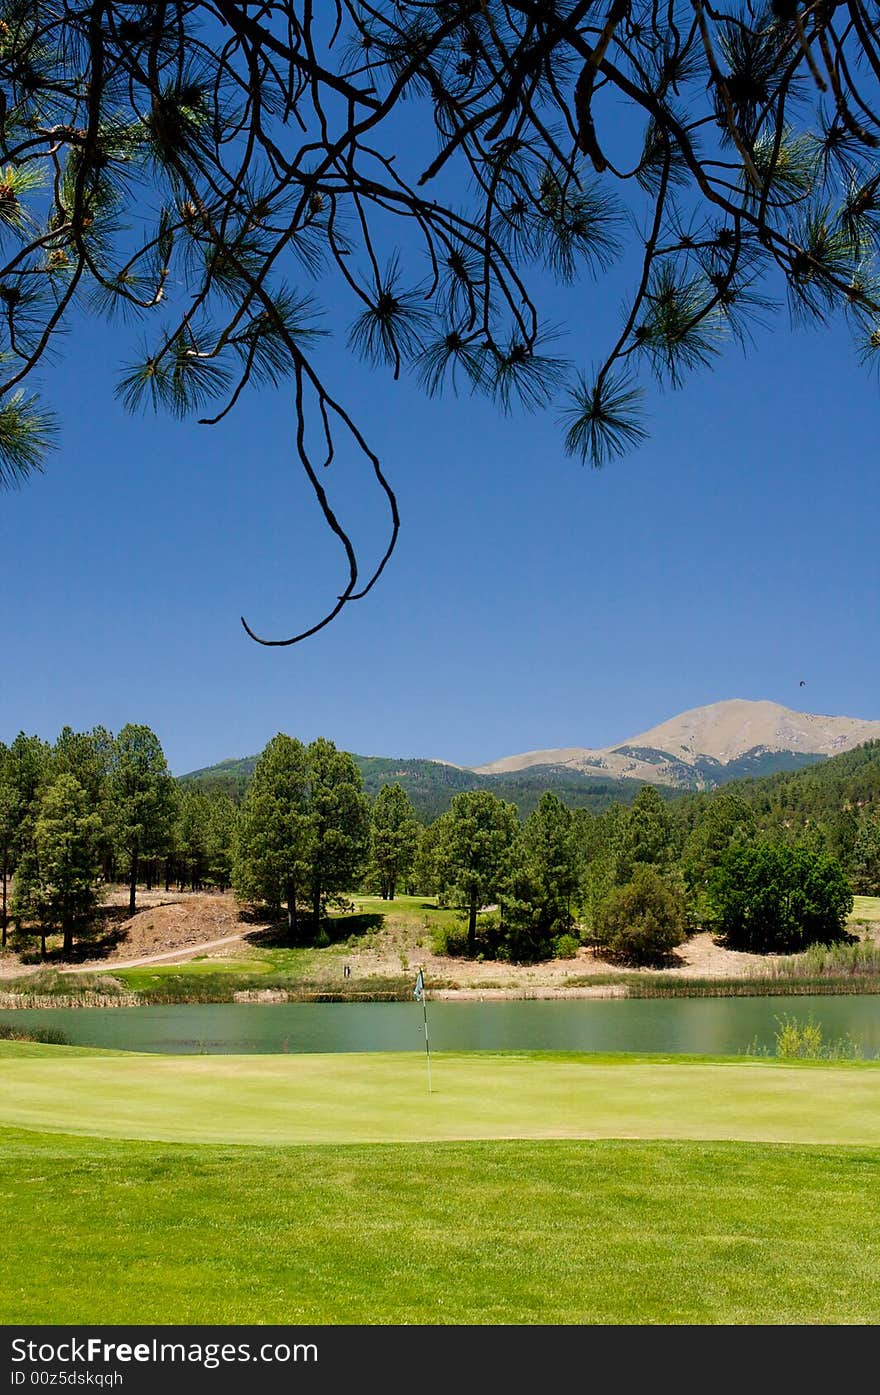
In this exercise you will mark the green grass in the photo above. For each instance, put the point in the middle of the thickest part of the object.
(866, 908)
(166, 975)
(479, 1232)
(417, 908)
(382, 1098)
(21, 1049)
(132, 1227)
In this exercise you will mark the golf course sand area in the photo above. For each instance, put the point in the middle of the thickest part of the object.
(383, 1098)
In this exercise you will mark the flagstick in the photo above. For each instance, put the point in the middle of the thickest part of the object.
(427, 1047)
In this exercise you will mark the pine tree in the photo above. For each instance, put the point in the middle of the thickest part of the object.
(477, 837)
(394, 837)
(274, 842)
(340, 816)
(66, 836)
(8, 828)
(88, 756)
(646, 835)
(550, 861)
(27, 768)
(866, 856)
(211, 169)
(143, 795)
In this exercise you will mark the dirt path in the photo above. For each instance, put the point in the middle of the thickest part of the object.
(174, 954)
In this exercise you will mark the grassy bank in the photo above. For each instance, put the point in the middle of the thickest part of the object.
(791, 986)
(382, 942)
(213, 981)
(202, 981)
(502, 1232)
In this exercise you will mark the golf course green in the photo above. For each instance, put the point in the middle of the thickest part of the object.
(383, 1098)
(524, 1189)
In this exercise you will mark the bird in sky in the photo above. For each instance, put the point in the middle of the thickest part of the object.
(803, 682)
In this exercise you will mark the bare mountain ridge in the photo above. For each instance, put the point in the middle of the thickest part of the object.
(694, 748)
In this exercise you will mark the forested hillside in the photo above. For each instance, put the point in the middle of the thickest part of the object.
(431, 785)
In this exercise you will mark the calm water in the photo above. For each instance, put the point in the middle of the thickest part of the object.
(719, 1026)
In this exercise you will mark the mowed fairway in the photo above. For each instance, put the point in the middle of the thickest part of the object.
(376, 1098)
(493, 1232)
(331, 1189)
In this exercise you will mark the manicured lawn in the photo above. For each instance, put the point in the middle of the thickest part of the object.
(151, 975)
(377, 1097)
(866, 908)
(415, 909)
(485, 1232)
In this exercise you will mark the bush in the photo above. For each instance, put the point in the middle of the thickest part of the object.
(803, 1041)
(779, 898)
(449, 939)
(566, 946)
(644, 921)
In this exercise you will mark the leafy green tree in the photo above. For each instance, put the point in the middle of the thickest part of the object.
(774, 897)
(143, 795)
(275, 834)
(866, 856)
(643, 921)
(340, 820)
(66, 837)
(394, 837)
(476, 839)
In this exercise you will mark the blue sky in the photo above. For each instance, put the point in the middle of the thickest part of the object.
(531, 602)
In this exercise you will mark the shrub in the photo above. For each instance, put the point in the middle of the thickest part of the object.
(642, 922)
(566, 946)
(803, 1041)
(449, 939)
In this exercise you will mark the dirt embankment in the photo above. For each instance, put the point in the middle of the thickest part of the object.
(166, 923)
(172, 926)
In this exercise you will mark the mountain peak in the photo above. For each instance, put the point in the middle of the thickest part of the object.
(679, 750)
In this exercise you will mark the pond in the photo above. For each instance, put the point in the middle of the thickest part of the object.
(715, 1026)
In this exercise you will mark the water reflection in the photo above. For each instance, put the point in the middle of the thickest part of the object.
(717, 1026)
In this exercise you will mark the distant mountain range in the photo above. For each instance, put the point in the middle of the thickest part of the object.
(707, 746)
(700, 749)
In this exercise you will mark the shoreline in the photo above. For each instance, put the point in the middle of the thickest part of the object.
(626, 991)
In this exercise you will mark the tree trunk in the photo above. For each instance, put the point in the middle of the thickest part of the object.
(316, 908)
(67, 932)
(4, 915)
(472, 924)
(42, 942)
(132, 885)
(291, 908)
(168, 874)
(392, 887)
